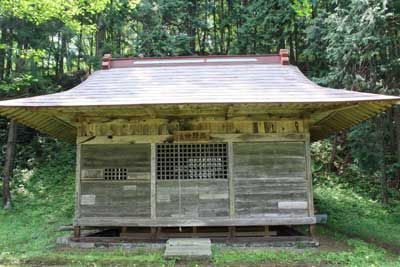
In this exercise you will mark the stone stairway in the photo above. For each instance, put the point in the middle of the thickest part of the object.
(199, 248)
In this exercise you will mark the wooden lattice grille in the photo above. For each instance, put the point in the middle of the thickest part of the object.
(191, 161)
(115, 174)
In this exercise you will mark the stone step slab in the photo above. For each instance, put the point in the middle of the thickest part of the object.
(199, 248)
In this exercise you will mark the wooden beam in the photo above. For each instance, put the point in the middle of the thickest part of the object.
(78, 182)
(190, 222)
(153, 178)
(231, 180)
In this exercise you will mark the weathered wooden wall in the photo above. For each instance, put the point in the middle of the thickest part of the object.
(269, 179)
(115, 198)
(269, 174)
(199, 198)
(126, 127)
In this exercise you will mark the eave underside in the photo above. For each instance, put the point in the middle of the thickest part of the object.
(324, 118)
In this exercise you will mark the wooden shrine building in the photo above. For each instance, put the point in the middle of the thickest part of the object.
(195, 141)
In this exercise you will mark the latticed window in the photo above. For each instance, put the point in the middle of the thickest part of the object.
(115, 174)
(191, 161)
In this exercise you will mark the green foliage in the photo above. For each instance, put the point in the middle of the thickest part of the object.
(43, 201)
(356, 215)
(302, 8)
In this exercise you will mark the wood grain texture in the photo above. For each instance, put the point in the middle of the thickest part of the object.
(111, 200)
(78, 181)
(266, 173)
(135, 157)
(115, 198)
(174, 222)
(199, 198)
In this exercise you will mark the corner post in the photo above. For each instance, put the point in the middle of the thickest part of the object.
(77, 184)
(309, 175)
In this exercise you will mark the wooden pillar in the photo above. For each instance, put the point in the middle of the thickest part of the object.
(78, 182)
(266, 230)
(77, 231)
(194, 232)
(158, 232)
(312, 230)
(232, 232)
(309, 176)
(153, 232)
(153, 177)
(231, 181)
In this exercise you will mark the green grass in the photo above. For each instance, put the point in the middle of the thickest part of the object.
(361, 254)
(43, 201)
(352, 214)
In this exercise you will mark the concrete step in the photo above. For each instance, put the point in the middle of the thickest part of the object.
(199, 248)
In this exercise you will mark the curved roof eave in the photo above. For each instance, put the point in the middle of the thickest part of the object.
(209, 84)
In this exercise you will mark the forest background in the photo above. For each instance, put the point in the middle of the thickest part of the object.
(48, 46)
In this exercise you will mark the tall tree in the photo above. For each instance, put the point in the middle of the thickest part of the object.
(9, 163)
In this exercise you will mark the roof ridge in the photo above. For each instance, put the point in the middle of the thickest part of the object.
(133, 62)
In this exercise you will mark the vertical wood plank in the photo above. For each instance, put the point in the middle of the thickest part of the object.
(153, 181)
(78, 182)
(77, 231)
(231, 180)
(266, 230)
(309, 176)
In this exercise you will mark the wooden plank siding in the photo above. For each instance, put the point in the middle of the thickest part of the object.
(266, 173)
(199, 198)
(115, 198)
(267, 184)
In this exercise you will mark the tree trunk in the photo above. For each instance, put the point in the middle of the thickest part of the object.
(331, 163)
(7, 72)
(396, 115)
(79, 48)
(221, 27)
(9, 164)
(100, 36)
(230, 11)
(3, 51)
(214, 16)
(20, 61)
(63, 54)
(383, 176)
(205, 31)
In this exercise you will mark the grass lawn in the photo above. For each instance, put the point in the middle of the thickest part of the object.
(356, 216)
(336, 250)
(28, 234)
(29, 230)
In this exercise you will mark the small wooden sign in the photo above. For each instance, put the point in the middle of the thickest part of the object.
(180, 136)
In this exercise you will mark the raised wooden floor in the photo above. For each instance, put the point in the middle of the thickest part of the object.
(217, 234)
